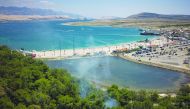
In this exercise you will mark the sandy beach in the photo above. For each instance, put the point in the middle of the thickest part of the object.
(106, 50)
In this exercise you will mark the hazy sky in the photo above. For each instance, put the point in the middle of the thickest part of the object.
(99, 8)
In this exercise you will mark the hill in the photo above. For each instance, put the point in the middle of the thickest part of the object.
(146, 15)
(26, 83)
(33, 11)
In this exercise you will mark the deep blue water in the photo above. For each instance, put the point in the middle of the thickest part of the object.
(114, 70)
(49, 35)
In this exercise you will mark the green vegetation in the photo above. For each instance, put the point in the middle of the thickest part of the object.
(26, 83)
(150, 100)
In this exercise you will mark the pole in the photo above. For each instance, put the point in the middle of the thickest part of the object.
(73, 45)
(60, 49)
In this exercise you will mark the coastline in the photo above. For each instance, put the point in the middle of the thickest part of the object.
(157, 64)
(154, 24)
(6, 18)
(99, 50)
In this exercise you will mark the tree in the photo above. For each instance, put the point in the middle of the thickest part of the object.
(2, 91)
(125, 97)
(113, 91)
(154, 97)
(167, 102)
(34, 106)
(5, 103)
(40, 98)
(52, 104)
(20, 106)
(141, 96)
(183, 97)
(147, 104)
(65, 102)
(23, 96)
(42, 85)
(57, 88)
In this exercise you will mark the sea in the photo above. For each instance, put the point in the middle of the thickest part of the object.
(54, 34)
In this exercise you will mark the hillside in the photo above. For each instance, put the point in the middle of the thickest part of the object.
(26, 83)
(146, 15)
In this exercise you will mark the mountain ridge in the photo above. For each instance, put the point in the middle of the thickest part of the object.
(12, 10)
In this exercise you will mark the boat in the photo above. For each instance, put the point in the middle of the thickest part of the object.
(149, 33)
(140, 29)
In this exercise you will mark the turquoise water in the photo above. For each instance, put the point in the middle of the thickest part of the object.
(49, 35)
(113, 70)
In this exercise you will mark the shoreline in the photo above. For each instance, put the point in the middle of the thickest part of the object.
(157, 64)
(90, 51)
(7, 18)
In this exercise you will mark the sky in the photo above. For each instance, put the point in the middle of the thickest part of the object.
(106, 8)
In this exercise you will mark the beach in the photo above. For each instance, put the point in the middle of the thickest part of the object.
(172, 63)
(106, 50)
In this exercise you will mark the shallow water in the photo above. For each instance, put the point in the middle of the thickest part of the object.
(107, 70)
(50, 35)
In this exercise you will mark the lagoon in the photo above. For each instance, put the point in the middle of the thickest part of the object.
(108, 70)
